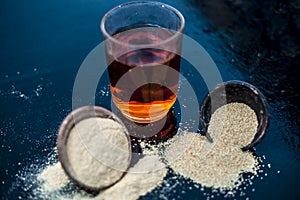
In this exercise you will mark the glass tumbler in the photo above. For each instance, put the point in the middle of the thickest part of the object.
(143, 42)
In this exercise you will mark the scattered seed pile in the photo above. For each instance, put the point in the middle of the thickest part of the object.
(139, 180)
(53, 178)
(91, 136)
(218, 165)
(142, 178)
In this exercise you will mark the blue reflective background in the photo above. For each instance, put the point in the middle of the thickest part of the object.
(43, 44)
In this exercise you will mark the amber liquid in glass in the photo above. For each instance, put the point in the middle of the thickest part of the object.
(149, 102)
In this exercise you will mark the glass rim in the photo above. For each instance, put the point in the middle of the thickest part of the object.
(174, 36)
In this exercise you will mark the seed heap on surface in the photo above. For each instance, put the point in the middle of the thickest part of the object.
(143, 177)
(220, 164)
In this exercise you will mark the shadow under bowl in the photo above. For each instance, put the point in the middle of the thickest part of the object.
(239, 92)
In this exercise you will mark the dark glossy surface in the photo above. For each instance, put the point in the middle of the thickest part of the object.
(44, 42)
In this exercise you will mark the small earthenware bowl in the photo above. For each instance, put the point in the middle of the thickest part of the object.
(68, 124)
(240, 92)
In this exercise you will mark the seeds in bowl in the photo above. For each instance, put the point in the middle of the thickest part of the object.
(98, 152)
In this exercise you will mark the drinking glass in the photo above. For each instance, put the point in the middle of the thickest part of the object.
(143, 42)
